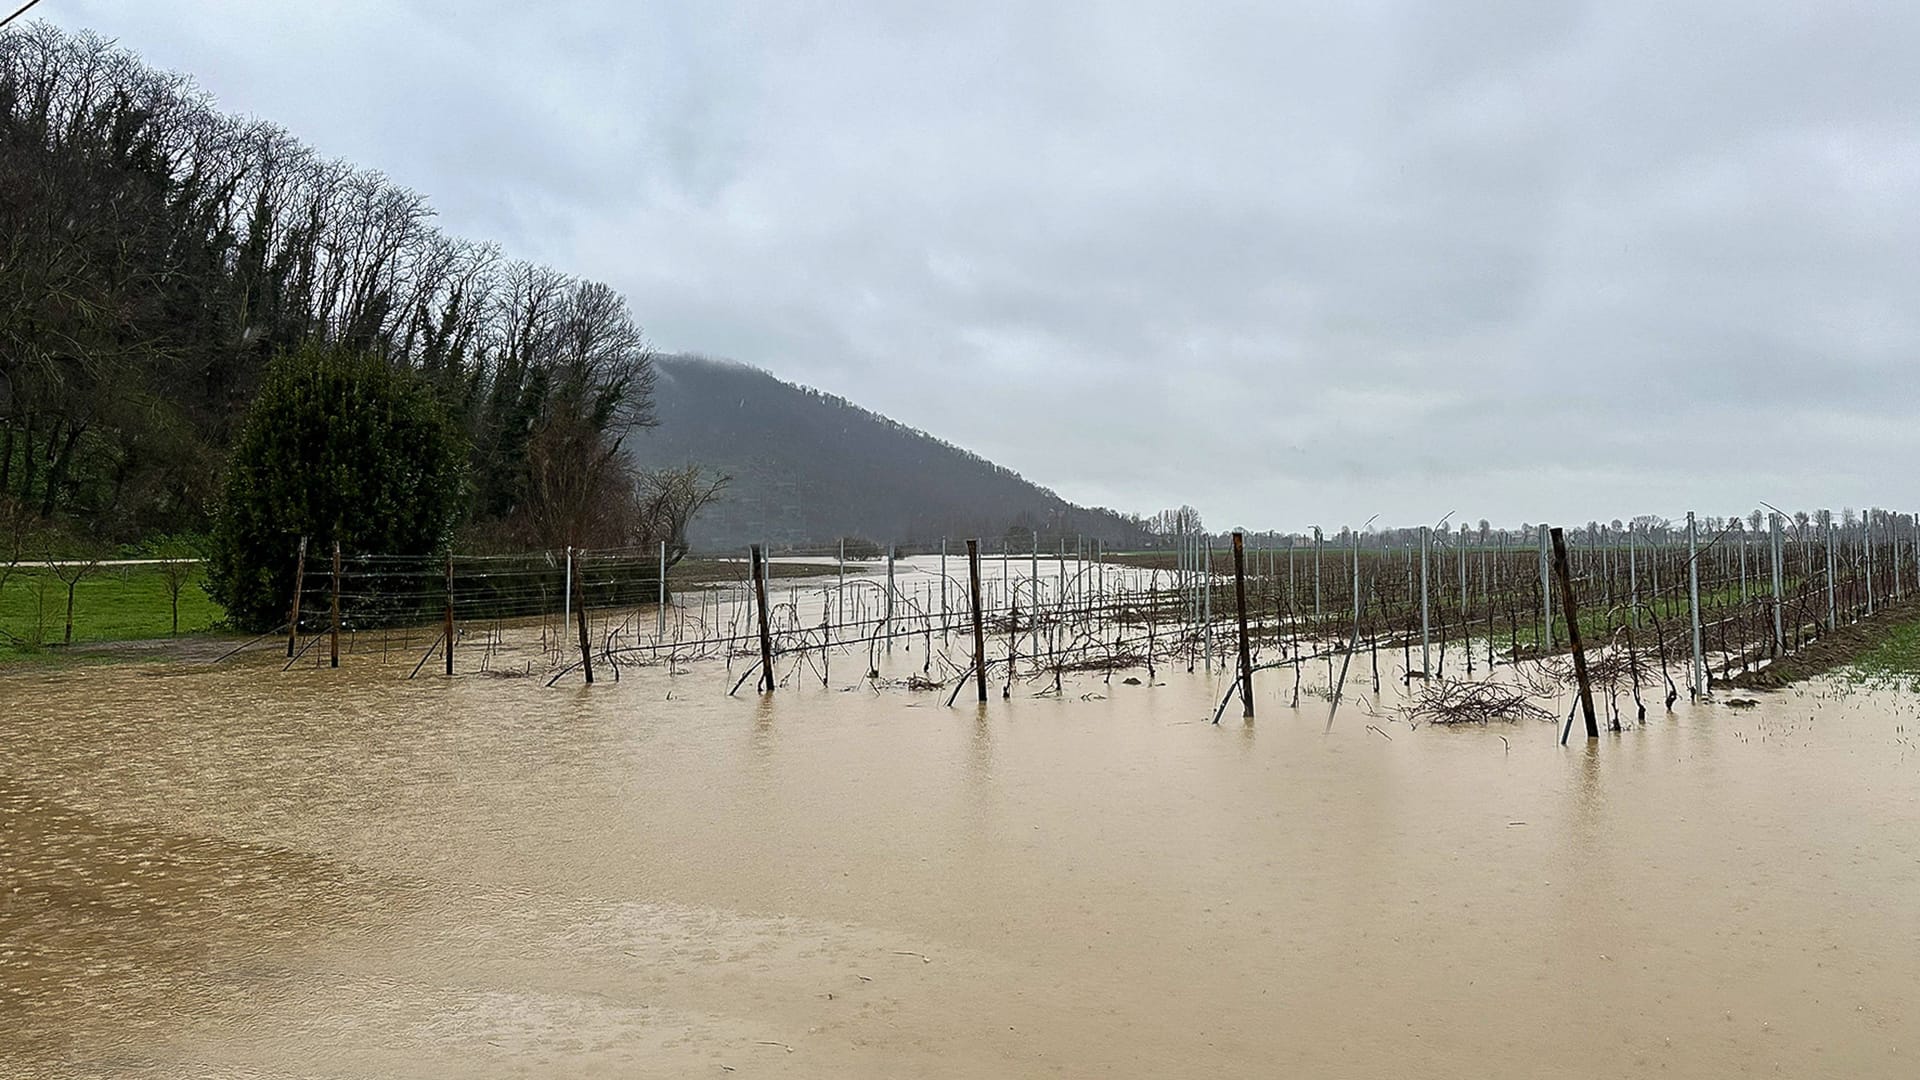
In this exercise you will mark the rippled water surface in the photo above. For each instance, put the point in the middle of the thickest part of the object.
(233, 871)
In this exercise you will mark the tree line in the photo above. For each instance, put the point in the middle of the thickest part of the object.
(157, 255)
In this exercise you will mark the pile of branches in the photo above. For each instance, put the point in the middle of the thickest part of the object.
(1472, 703)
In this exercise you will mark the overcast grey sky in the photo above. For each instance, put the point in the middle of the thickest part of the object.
(1289, 263)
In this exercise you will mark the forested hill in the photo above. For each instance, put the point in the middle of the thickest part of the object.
(810, 467)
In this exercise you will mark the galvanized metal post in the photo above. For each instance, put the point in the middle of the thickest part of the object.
(1546, 597)
(1633, 582)
(335, 647)
(1833, 610)
(1240, 600)
(1693, 606)
(1316, 571)
(299, 582)
(1779, 593)
(1426, 667)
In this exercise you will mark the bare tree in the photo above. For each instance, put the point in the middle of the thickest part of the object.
(177, 562)
(72, 571)
(669, 499)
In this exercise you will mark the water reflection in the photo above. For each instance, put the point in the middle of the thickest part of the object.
(243, 872)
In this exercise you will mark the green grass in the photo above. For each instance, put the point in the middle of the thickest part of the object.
(114, 603)
(1894, 660)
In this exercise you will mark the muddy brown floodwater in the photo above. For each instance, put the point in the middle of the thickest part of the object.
(233, 872)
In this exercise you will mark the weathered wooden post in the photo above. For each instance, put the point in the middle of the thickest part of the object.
(447, 629)
(299, 582)
(888, 617)
(1572, 609)
(979, 634)
(660, 598)
(335, 648)
(1240, 601)
(580, 618)
(759, 555)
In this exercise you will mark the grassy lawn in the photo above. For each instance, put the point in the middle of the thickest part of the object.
(114, 603)
(1895, 659)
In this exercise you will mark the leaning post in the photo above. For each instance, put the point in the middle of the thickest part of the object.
(1240, 601)
(1572, 609)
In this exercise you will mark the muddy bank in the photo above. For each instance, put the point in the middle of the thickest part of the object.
(1848, 644)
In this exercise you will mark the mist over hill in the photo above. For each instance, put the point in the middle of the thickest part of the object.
(810, 467)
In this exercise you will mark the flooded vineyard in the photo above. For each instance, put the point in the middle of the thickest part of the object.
(249, 869)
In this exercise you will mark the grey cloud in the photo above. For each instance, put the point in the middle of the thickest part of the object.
(1291, 264)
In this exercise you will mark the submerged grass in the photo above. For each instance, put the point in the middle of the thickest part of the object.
(114, 603)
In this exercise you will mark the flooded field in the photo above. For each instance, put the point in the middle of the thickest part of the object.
(232, 871)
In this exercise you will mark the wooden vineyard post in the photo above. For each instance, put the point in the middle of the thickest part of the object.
(1571, 607)
(1240, 602)
(579, 615)
(447, 630)
(766, 631)
(336, 604)
(979, 634)
(299, 581)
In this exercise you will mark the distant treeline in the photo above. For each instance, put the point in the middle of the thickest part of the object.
(155, 254)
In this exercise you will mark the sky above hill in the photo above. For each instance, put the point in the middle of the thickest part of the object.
(1290, 263)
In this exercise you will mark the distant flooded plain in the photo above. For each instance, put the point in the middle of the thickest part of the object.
(231, 871)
